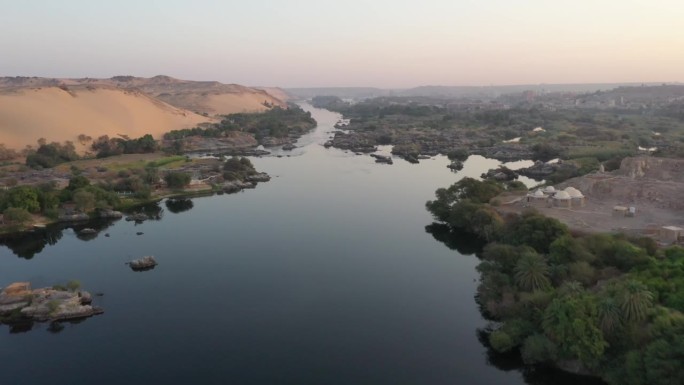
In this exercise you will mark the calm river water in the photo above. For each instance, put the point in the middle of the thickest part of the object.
(324, 275)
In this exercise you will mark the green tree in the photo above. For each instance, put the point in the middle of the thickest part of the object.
(536, 230)
(23, 197)
(78, 182)
(609, 315)
(84, 200)
(538, 349)
(16, 216)
(635, 300)
(177, 179)
(532, 272)
(571, 322)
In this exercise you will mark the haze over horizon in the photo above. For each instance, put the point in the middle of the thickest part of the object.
(387, 44)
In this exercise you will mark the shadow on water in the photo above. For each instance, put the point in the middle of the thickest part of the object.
(153, 210)
(179, 205)
(28, 244)
(455, 239)
(532, 374)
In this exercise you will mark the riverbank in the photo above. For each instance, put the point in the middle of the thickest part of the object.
(90, 189)
(591, 304)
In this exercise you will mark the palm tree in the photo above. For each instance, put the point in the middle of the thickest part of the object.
(609, 315)
(532, 272)
(571, 288)
(635, 300)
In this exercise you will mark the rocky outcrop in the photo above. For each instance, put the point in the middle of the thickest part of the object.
(382, 158)
(236, 185)
(107, 213)
(541, 170)
(73, 217)
(663, 169)
(137, 217)
(502, 174)
(144, 263)
(258, 177)
(455, 165)
(46, 304)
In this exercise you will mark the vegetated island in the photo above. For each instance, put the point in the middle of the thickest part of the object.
(607, 305)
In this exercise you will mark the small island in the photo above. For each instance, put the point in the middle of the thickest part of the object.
(19, 303)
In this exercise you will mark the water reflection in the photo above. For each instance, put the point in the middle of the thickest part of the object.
(179, 205)
(532, 374)
(28, 244)
(152, 210)
(455, 239)
(467, 244)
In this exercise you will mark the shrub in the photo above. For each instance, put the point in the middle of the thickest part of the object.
(177, 179)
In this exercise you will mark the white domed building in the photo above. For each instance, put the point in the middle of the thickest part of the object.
(562, 199)
(537, 198)
(576, 196)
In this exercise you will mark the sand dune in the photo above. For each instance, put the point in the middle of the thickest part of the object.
(276, 92)
(203, 97)
(222, 102)
(60, 114)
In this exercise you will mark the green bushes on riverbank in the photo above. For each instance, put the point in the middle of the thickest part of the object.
(602, 304)
(276, 122)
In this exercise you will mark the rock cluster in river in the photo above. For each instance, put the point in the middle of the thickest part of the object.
(540, 170)
(18, 300)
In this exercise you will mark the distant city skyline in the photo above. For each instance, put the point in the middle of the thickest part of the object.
(323, 43)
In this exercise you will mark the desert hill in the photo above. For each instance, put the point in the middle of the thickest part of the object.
(61, 109)
(203, 97)
(28, 113)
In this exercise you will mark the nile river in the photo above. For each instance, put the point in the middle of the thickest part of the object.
(324, 275)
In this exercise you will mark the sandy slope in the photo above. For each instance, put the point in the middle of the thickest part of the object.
(276, 92)
(221, 102)
(204, 97)
(27, 114)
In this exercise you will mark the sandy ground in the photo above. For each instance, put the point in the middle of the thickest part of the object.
(597, 216)
(220, 103)
(58, 115)
(276, 92)
(654, 186)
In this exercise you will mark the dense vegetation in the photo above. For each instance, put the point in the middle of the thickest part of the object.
(50, 155)
(105, 146)
(604, 304)
(18, 203)
(540, 131)
(238, 168)
(276, 122)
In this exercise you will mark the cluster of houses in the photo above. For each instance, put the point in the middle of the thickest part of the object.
(550, 197)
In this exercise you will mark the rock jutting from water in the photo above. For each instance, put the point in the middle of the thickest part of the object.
(19, 302)
(144, 263)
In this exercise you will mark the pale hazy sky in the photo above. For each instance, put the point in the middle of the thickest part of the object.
(382, 43)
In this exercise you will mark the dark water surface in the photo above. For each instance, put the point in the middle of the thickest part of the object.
(324, 275)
